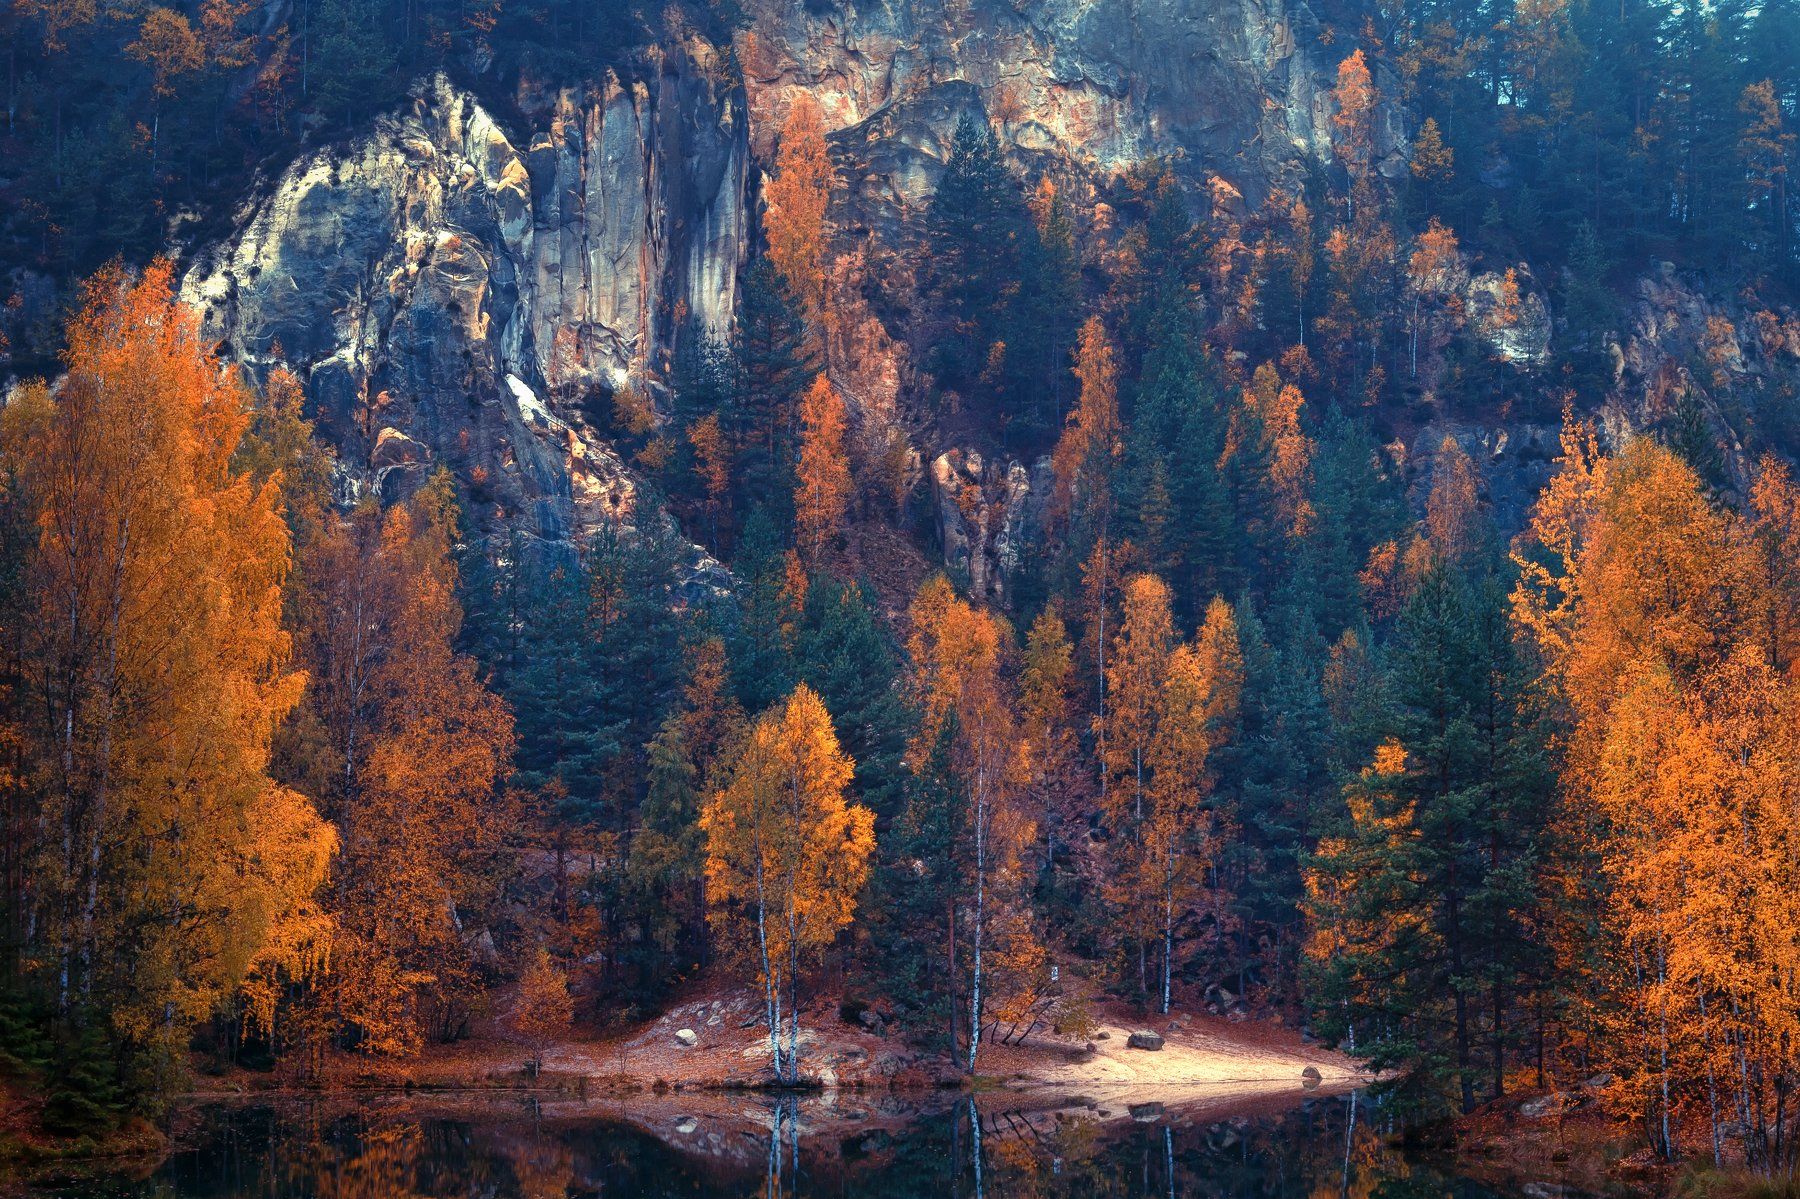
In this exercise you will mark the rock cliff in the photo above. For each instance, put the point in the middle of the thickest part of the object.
(457, 293)
(467, 290)
(467, 284)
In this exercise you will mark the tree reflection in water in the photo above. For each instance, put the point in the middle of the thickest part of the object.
(984, 1147)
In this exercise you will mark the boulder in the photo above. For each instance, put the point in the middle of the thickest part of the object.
(1143, 1038)
(687, 1037)
(1310, 1077)
(1146, 1113)
(1554, 1104)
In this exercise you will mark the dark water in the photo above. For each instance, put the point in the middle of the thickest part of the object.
(518, 1150)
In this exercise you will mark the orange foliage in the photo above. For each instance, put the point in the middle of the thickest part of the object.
(823, 494)
(783, 846)
(172, 865)
(955, 651)
(798, 192)
(405, 746)
(168, 43)
(1665, 624)
(1134, 678)
(1453, 506)
(1091, 441)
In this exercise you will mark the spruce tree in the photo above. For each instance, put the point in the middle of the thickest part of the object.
(558, 696)
(843, 653)
(762, 660)
(977, 228)
(773, 364)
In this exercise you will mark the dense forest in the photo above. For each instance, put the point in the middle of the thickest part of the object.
(1286, 707)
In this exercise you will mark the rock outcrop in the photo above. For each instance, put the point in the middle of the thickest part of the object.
(457, 294)
(1237, 87)
(987, 513)
(468, 290)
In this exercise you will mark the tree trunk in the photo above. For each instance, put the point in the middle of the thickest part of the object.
(980, 913)
(771, 990)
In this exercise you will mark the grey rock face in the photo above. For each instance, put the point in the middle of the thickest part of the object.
(1238, 87)
(467, 291)
(988, 512)
(453, 299)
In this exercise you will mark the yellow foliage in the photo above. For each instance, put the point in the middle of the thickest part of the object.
(785, 850)
(798, 193)
(171, 865)
(822, 495)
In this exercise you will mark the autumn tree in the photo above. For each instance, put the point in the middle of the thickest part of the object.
(823, 493)
(169, 866)
(1433, 270)
(1286, 450)
(405, 748)
(543, 1009)
(784, 848)
(1455, 527)
(169, 44)
(1766, 149)
(1197, 712)
(1648, 604)
(1353, 126)
(712, 463)
(1091, 441)
(798, 192)
(1135, 673)
(1047, 715)
(963, 699)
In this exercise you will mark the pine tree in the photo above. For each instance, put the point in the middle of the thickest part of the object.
(667, 859)
(842, 652)
(977, 228)
(558, 693)
(774, 363)
(762, 655)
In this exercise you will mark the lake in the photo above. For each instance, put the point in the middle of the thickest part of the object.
(707, 1146)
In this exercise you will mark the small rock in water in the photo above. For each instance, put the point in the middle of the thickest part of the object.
(1143, 1038)
(687, 1036)
(1310, 1077)
(686, 1126)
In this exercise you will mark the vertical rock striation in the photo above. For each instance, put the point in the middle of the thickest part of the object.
(452, 299)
